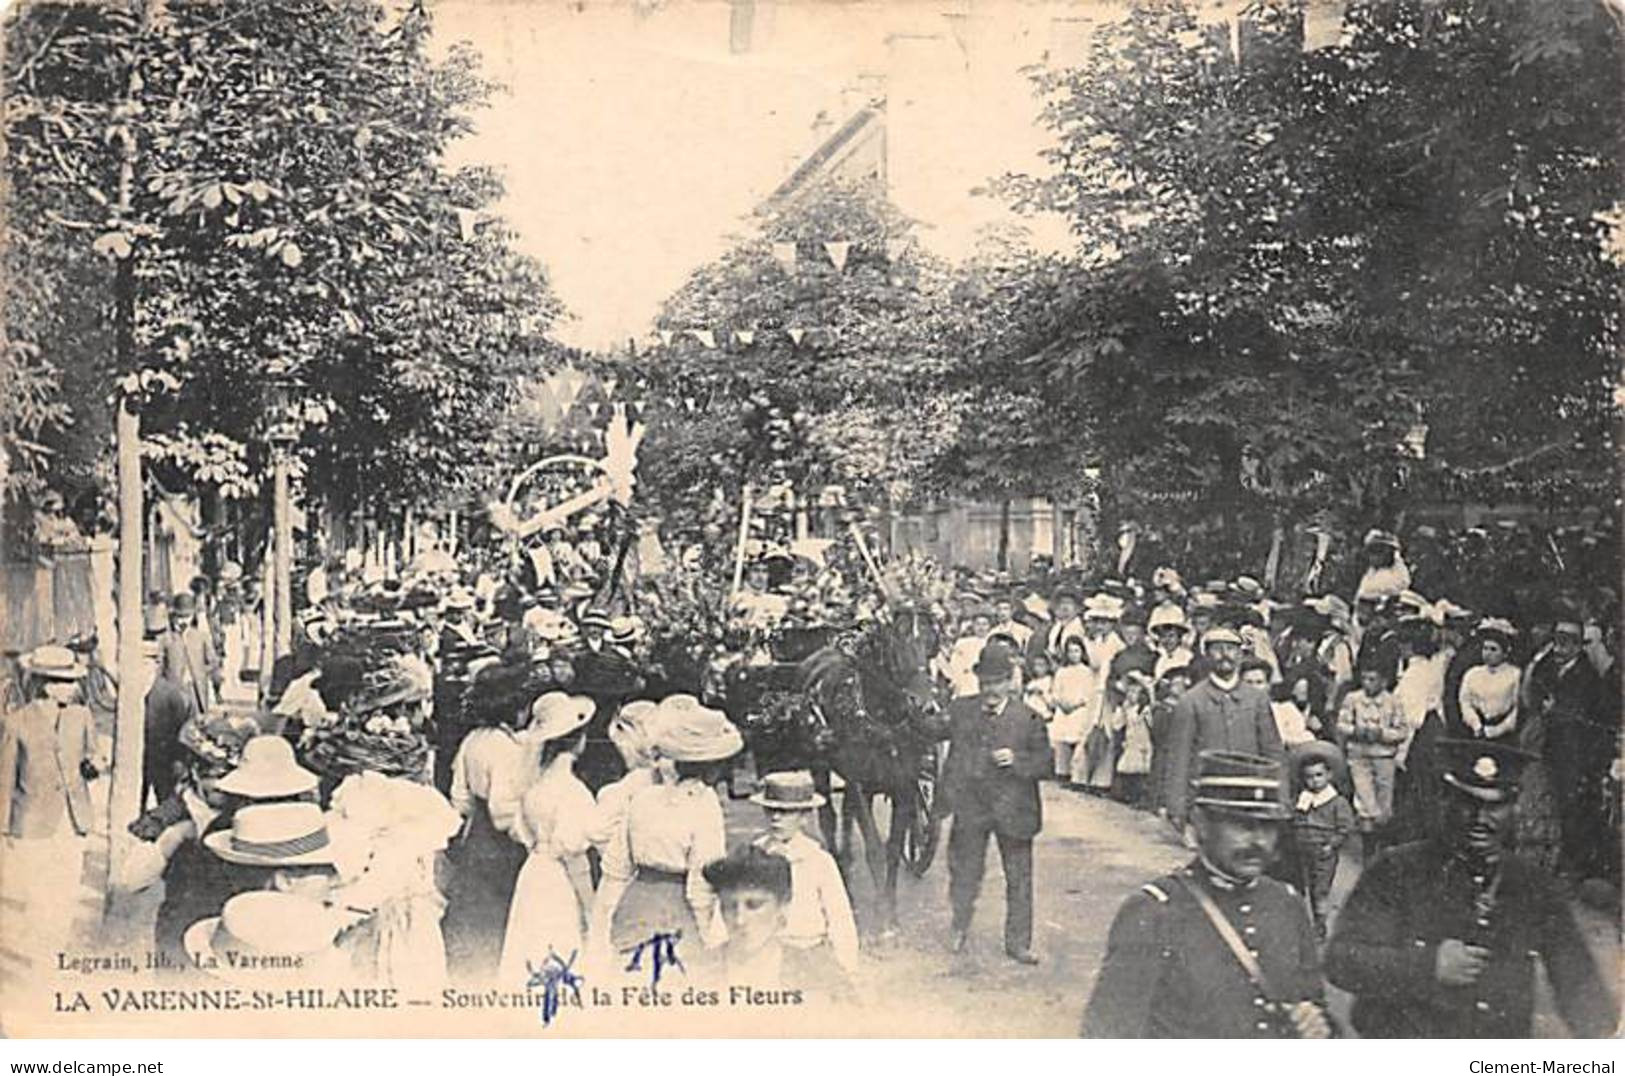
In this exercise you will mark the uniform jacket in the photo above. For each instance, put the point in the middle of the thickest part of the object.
(41, 748)
(1005, 798)
(1408, 901)
(1211, 718)
(1168, 973)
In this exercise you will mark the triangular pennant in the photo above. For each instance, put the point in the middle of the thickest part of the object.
(688, 402)
(796, 335)
(785, 255)
(609, 387)
(837, 251)
(745, 337)
(895, 248)
(592, 410)
(704, 336)
(666, 337)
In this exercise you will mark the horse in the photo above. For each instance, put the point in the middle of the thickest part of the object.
(871, 708)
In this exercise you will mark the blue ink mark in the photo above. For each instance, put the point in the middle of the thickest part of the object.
(553, 977)
(662, 949)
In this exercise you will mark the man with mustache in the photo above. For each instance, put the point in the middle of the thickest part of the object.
(1440, 937)
(1217, 949)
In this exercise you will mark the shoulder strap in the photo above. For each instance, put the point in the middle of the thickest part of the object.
(1231, 939)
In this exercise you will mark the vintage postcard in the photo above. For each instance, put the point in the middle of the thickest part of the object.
(795, 518)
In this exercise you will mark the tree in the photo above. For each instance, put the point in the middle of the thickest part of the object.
(1300, 266)
(292, 228)
(853, 403)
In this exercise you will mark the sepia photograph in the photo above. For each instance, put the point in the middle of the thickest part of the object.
(819, 519)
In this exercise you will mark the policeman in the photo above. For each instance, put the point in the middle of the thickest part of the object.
(1216, 950)
(1440, 937)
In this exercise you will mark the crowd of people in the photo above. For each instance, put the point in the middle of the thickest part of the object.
(453, 777)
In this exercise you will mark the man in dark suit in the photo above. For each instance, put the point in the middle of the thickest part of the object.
(1218, 713)
(1582, 725)
(1217, 949)
(1440, 938)
(998, 750)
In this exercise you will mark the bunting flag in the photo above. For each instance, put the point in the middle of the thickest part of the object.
(704, 336)
(837, 252)
(666, 337)
(609, 387)
(796, 336)
(785, 255)
(592, 410)
(467, 221)
(895, 248)
(745, 337)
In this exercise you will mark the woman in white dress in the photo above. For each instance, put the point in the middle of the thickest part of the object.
(1489, 692)
(655, 862)
(555, 822)
(632, 733)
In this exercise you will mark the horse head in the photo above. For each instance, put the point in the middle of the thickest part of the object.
(893, 658)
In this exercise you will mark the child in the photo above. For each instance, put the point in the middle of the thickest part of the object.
(1131, 721)
(1170, 685)
(1036, 691)
(818, 917)
(1072, 695)
(1321, 822)
(1372, 727)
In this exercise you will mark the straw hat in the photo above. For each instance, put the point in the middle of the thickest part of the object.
(268, 771)
(687, 731)
(54, 663)
(556, 714)
(269, 937)
(274, 835)
(788, 790)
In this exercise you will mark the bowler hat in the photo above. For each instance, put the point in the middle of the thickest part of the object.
(995, 664)
(1239, 783)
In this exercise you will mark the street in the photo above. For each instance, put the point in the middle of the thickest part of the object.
(1091, 854)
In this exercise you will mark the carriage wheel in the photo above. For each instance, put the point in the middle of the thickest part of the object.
(920, 839)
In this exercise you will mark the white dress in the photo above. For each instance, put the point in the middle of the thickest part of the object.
(1072, 693)
(555, 822)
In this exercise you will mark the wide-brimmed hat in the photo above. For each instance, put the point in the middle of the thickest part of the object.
(597, 618)
(788, 790)
(623, 630)
(632, 727)
(557, 714)
(1220, 634)
(576, 592)
(1168, 615)
(270, 937)
(1316, 751)
(1329, 605)
(54, 663)
(274, 835)
(1238, 783)
(685, 730)
(1483, 769)
(1103, 607)
(268, 770)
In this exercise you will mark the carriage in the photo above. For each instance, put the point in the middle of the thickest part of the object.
(852, 704)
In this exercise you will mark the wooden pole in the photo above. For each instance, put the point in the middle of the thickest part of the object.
(124, 794)
(739, 549)
(868, 560)
(282, 537)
